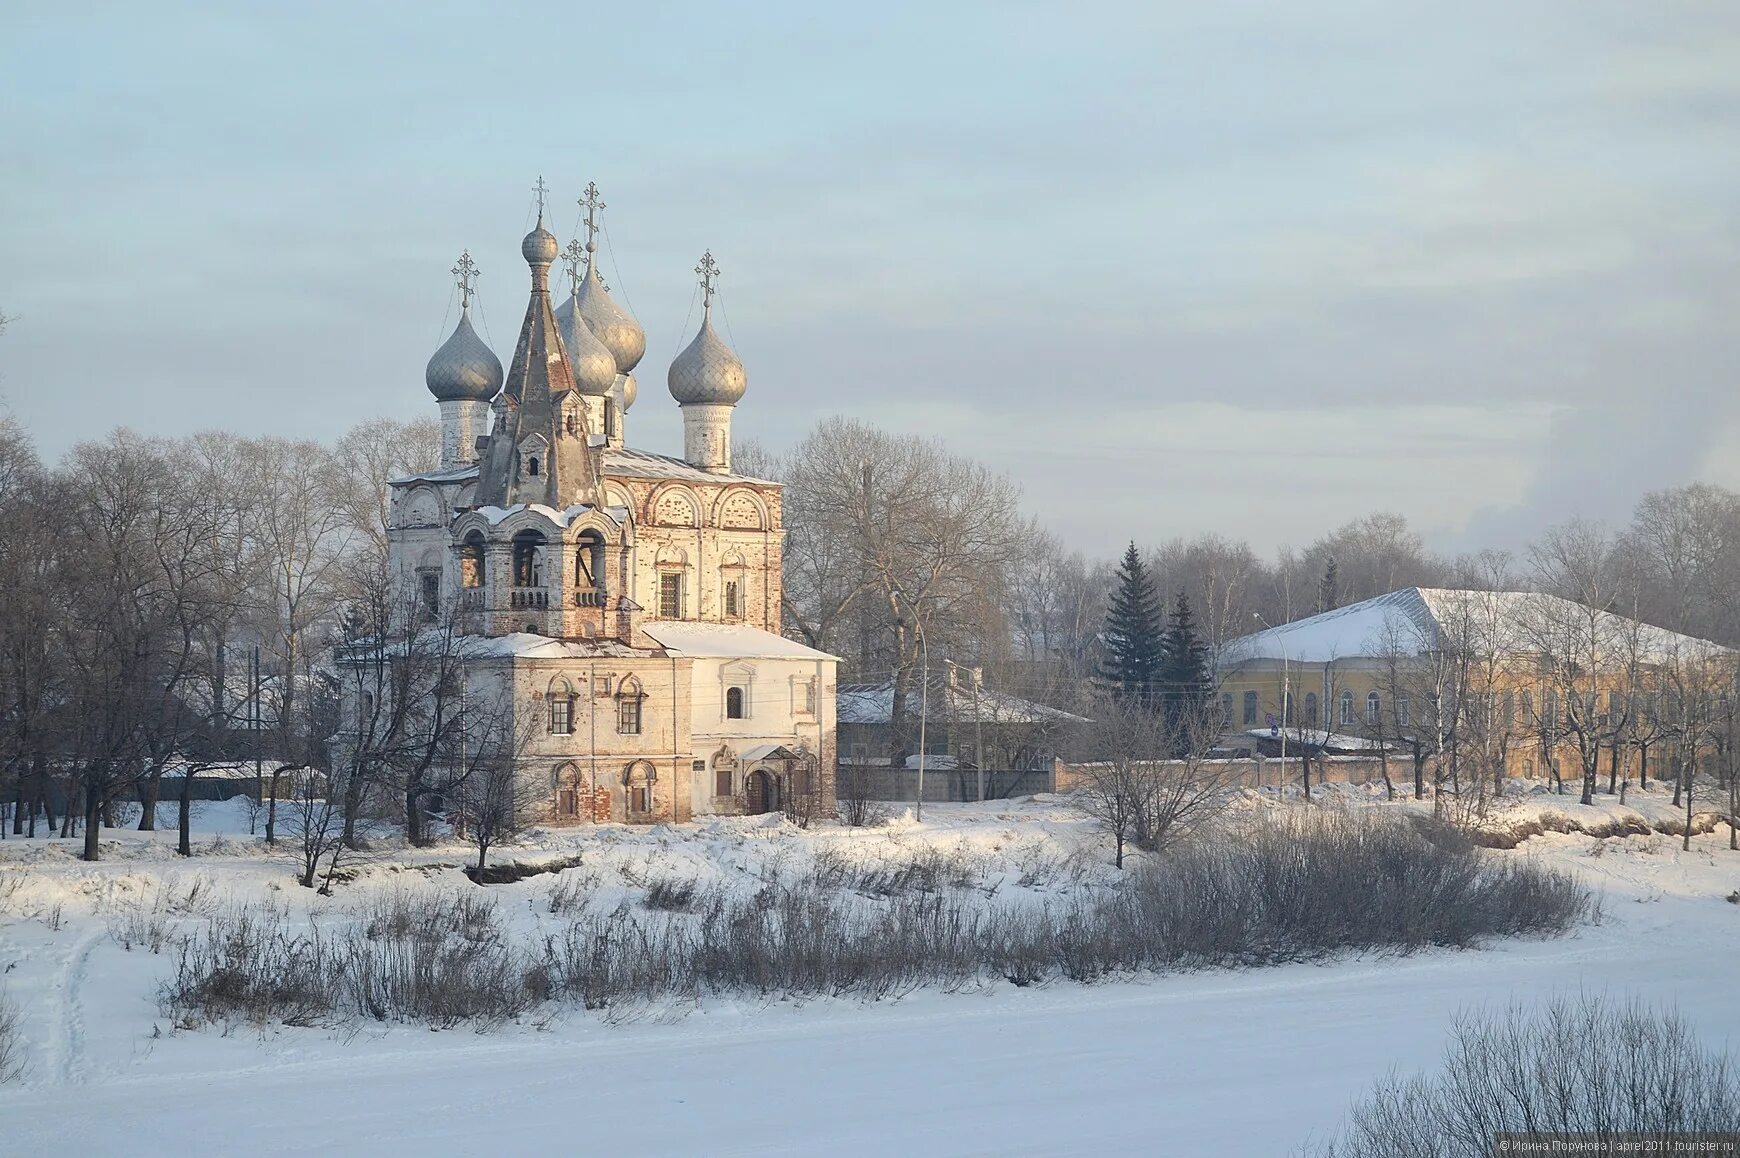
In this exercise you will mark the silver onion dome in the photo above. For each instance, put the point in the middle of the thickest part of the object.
(610, 323)
(464, 368)
(593, 364)
(627, 390)
(540, 246)
(707, 372)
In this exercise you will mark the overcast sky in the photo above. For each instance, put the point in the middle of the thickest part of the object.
(1250, 268)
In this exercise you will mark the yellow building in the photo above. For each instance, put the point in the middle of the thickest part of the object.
(1519, 681)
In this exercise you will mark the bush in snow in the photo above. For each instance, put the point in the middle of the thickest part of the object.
(11, 1040)
(1586, 1065)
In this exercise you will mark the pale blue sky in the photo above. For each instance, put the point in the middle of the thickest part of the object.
(1249, 268)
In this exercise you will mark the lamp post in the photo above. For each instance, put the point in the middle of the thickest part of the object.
(923, 702)
(978, 675)
(1286, 691)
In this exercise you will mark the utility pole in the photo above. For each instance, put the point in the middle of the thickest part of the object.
(978, 674)
(923, 693)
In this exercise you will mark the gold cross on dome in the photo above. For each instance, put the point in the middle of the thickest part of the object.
(466, 273)
(709, 271)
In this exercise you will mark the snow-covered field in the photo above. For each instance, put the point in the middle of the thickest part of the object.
(1221, 1062)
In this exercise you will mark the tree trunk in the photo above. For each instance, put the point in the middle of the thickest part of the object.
(1419, 773)
(272, 817)
(413, 817)
(150, 793)
(1691, 770)
(93, 823)
(1613, 768)
(1590, 761)
(184, 816)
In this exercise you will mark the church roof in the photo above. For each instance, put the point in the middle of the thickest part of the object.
(621, 461)
(873, 703)
(727, 641)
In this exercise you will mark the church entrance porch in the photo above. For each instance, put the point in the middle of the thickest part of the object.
(761, 793)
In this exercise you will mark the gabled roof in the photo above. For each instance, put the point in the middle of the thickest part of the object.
(1413, 620)
(873, 703)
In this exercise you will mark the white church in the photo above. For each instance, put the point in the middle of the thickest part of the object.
(629, 600)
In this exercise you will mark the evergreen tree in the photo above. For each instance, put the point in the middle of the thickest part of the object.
(1185, 681)
(1328, 593)
(1134, 636)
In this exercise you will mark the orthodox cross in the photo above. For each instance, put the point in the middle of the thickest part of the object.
(592, 203)
(573, 257)
(466, 272)
(540, 189)
(709, 271)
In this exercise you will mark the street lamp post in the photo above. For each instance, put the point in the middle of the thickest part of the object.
(1286, 691)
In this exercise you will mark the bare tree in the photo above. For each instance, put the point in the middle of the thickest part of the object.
(1133, 785)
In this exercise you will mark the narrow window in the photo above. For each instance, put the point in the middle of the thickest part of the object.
(471, 564)
(628, 715)
(429, 584)
(733, 601)
(733, 703)
(532, 466)
(561, 715)
(810, 696)
(1250, 707)
(1373, 706)
(640, 798)
(722, 781)
(528, 559)
(1311, 709)
(671, 595)
(1347, 707)
(1404, 712)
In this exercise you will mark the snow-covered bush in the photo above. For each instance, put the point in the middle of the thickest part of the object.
(11, 1040)
(1588, 1065)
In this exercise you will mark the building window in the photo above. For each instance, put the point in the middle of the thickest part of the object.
(1404, 712)
(809, 702)
(1311, 709)
(1347, 707)
(589, 562)
(1528, 707)
(429, 587)
(1373, 708)
(733, 703)
(628, 715)
(532, 466)
(1226, 715)
(528, 559)
(671, 595)
(733, 600)
(471, 563)
(1250, 707)
(722, 781)
(640, 798)
(567, 803)
(561, 715)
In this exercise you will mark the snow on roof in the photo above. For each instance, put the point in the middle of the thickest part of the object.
(528, 645)
(623, 461)
(1318, 738)
(873, 703)
(562, 518)
(1412, 619)
(632, 463)
(727, 641)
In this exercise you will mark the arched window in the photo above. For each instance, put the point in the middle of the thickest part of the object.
(1404, 712)
(1311, 709)
(1250, 707)
(528, 559)
(1346, 707)
(1373, 707)
(733, 703)
(640, 779)
(561, 701)
(1528, 708)
(532, 466)
(589, 569)
(471, 562)
(1550, 708)
(628, 707)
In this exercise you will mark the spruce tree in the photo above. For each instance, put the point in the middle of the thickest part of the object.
(1185, 681)
(1328, 588)
(1134, 637)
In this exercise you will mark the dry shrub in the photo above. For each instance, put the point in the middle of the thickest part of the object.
(1584, 1065)
(11, 1040)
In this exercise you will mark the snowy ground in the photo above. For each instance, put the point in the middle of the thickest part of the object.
(1219, 1062)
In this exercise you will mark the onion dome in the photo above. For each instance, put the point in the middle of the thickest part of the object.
(707, 372)
(540, 246)
(627, 390)
(464, 368)
(593, 364)
(609, 322)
